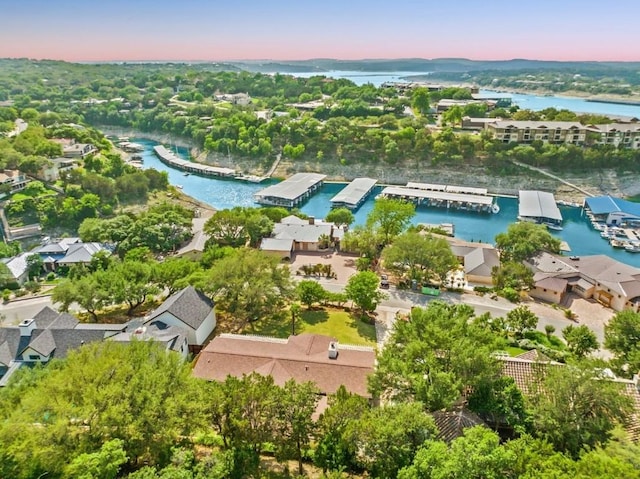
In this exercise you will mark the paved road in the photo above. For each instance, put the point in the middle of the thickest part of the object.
(401, 301)
(15, 311)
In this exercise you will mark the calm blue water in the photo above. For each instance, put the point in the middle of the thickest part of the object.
(531, 102)
(220, 194)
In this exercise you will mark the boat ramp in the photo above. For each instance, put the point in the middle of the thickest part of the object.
(292, 191)
(444, 196)
(173, 160)
(354, 194)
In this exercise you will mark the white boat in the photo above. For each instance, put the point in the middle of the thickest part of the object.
(495, 209)
(616, 243)
(178, 186)
(553, 226)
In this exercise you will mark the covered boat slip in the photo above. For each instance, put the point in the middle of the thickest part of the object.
(444, 199)
(354, 194)
(167, 156)
(448, 188)
(292, 191)
(538, 206)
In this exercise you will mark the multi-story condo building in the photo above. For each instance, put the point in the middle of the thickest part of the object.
(555, 132)
(621, 135)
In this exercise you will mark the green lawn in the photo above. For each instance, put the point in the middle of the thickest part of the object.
(346, 327)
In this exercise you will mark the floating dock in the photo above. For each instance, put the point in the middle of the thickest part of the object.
(444, 196)
(448, 188)
(292, 191)
(173, 160)
(539, 207)
(354, 194)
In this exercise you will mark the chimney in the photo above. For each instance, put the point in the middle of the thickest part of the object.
(312, 220)
(333, 350)
(27, 326)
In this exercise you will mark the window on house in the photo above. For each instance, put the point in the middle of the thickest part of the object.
(34, 357)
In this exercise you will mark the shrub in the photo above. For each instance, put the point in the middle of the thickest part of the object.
(6, 295)
(51, 276)
(510, 294)
(32, 286)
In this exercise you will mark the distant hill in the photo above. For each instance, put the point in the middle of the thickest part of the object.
(453, 65)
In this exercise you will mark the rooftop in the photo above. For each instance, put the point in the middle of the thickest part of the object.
(354, 191)
(303, 358)
(538, 204)
(603, 205)
(292, 188)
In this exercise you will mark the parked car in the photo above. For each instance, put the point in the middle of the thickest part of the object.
(384, 281)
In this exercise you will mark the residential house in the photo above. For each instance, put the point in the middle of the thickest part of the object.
(242, 99)
(469, 123)
(614, 284)
(526, 370)
(13, 180)
(302, 235)
(17, 268)
(48, 335)
(57, 166)
(78, 150)
(68, 252)
(306, 357)
(190, 310)
(173, 338)
(555, 132)
(477, 259)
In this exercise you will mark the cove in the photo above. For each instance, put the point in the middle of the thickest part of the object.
(221, 194)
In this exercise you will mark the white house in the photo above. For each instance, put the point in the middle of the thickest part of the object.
(190, 310)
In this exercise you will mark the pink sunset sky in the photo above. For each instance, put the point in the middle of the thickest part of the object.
(113, 30)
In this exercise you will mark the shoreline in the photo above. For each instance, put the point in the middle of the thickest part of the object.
(609, 182)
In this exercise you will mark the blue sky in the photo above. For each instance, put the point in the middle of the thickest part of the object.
(349, 29)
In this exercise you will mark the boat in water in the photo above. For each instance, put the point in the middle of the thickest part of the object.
(616, 243)
(553, 226)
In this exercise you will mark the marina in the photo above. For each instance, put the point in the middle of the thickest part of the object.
(441, 196)
(577, 232)
(354, 194)
(539, 207)
(292, 191)
(173, 160)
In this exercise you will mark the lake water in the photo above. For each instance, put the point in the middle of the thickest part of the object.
(220, 194)
(531, 102)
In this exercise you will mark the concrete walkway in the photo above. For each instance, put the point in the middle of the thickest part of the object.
(551, 175)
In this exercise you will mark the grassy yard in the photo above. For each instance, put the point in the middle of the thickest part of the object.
(345, 326)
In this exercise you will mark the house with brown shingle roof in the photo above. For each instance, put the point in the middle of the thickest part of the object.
(306, 357)
(613, 284)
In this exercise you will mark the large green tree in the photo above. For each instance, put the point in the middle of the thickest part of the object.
(390, 217)
(581, 341)
(622, 338)
(100, 393)
(248, 284)
(435, 356)
(388, 437)
(523, 240)
(420, 257)
(363, 289)
(575, 407)
(340, 216)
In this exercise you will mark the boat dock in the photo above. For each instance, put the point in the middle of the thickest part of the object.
(354, 194)
(443, 196)
(539, 207)
(448, 188)
(173, 160)
(292, 191)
